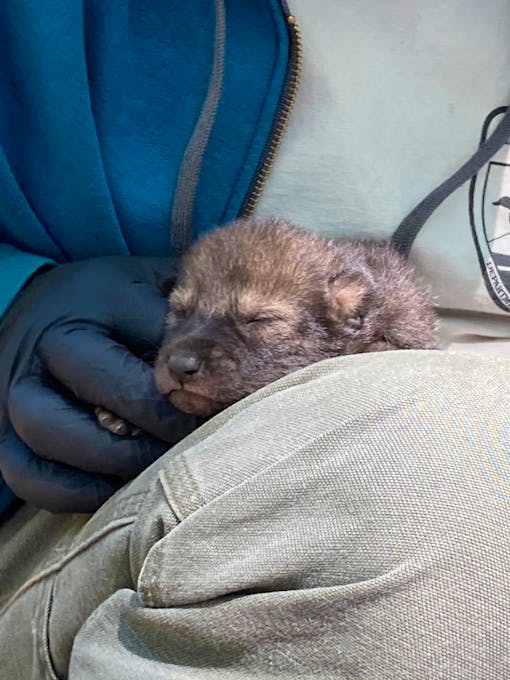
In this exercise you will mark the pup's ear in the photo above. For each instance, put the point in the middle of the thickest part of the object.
(350, 294)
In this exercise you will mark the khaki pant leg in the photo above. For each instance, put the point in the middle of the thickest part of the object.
(351, 521)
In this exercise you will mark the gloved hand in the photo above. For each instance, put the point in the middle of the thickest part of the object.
(71, 341)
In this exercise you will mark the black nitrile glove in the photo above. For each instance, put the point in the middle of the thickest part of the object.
(69, 342)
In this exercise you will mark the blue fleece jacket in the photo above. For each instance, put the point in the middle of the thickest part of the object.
(127, 126)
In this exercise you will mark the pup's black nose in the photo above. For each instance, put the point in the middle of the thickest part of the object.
(184, 364)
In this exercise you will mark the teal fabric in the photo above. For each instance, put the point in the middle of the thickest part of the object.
(16, 268)
(98, 102)
(246, 114)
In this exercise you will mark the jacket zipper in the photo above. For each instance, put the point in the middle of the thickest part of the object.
(281, 120)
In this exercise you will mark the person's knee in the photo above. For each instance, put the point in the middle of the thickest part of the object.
(389, 456)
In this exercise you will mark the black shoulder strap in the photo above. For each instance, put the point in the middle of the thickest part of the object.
(409, 228)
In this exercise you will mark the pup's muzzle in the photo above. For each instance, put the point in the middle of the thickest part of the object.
(185, 369)
(184, 364)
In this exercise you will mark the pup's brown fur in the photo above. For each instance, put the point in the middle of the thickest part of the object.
(258, 299)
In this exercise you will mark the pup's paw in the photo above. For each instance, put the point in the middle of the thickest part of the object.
(114, 424)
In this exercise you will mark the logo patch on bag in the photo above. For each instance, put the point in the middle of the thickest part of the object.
(489, 209)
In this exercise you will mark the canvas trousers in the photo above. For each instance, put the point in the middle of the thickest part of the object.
(349, 521)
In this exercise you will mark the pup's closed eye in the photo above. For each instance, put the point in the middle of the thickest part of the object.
(261, 319)
(182, 301)
(179, 313)
(176, 316)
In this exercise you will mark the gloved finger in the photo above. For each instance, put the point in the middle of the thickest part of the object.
(139, 320)
(138, 306)
(101, 372)
(57, 429)
(156, 271)
(48, 485)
